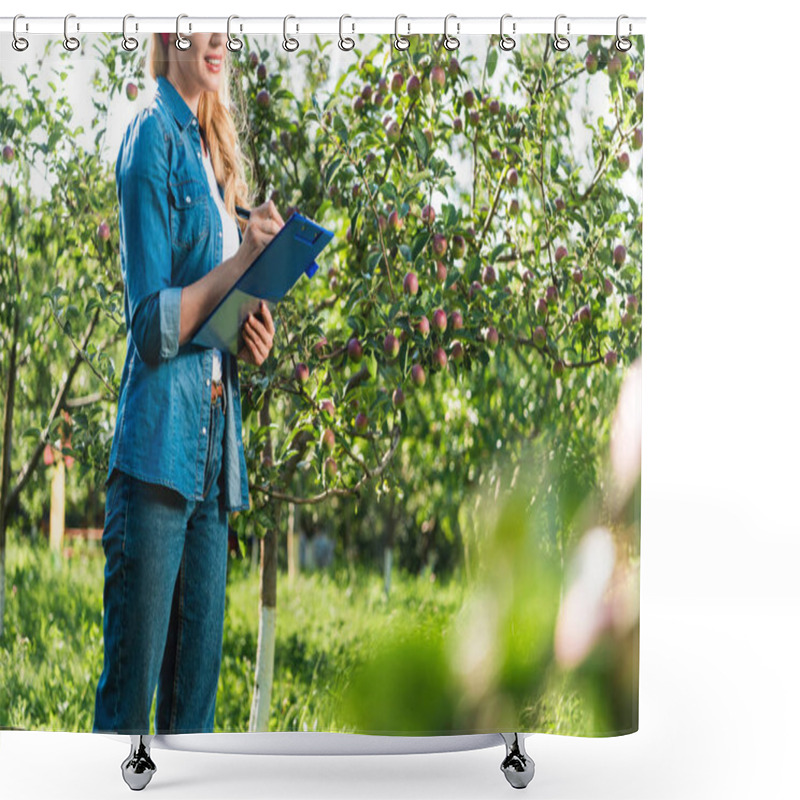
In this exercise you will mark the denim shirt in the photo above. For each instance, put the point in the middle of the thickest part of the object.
(170, 236)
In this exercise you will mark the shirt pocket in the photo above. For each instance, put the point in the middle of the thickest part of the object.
(189, 213)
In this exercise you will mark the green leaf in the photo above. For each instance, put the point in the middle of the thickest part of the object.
(491, 61)
(421, 142)
(420, 240)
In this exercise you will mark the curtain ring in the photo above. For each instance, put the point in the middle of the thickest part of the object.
(70, 42)
(234, 43)
(19, 43)
(507, 42)
(400, 42)
(347, 38)
(128, 42)
(560, 43)
(450, 42)
(623, 43)
(181, 42)
(286, 39)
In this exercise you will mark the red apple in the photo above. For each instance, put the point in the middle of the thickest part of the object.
(494, 107)
(614, 66)
(458, 124)
(577, 276)
(458, 246)
(361, 422)
(608, 287)
(391, 345)
(539, 336)
(418, 375)
(8, 154)
(585, 315)
(541, 307)
(413, 87)
(558, 368)
(513, 177)
(561, 252)
(262, 98)
(261, 72)
(397, 82)
(619, 254)
(395, 221)
(469, 98)
(411, 283)
(254, 59)
(439, 245)
(103, 232)
(330, 468)
(475, 117)
(624, 161)
(453, 67)
(423, 326)
(441, 272)
(440, 320)
(593, 42)
(354, 349)
(632, 303)
(591, 63)
(398, 398)
(636, 144)
(456, 320)
(489, 275)
(366, 93)
(474, 289)
(301, 372)
(439, 358)
(610, 359)
(552, 295)
(457, 351)
(492, 337)
(358, 103)
(328, 407)
(328, 440)
(438, 76)
(393, 131)
(428, 214)
(132, 91)
(513, 207)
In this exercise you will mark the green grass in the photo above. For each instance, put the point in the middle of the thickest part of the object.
(51, 654)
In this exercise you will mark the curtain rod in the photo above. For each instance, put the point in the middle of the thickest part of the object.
(407, 25)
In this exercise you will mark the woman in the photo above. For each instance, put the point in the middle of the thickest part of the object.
(177, 462)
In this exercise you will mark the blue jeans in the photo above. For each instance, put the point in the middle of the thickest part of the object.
(163, 601)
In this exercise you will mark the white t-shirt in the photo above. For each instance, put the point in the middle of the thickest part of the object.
(230, 242)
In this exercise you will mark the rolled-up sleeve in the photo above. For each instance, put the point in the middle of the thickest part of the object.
(142, 172)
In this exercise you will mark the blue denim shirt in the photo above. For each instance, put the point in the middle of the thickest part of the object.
(170, 236)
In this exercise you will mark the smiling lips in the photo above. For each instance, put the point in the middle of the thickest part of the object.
(214, 63)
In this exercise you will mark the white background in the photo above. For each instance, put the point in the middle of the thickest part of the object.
(720, 604)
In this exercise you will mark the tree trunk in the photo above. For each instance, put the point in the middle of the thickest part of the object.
(265, 651)
(388, 547)
(265, 658)
(292, 544)
(57, 503)
(5, 464)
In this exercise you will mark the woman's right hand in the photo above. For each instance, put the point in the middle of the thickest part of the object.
(262, 228)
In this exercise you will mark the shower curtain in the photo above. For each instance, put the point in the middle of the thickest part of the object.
(442, 448)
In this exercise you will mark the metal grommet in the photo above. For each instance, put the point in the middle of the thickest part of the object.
(450, 42)
(623, 43)
(560, 43)
(181, 42)
(234, 43)
(400, 42)
(70, 42)
(128, 42)
(19, 43)
(286, 39)
(507, 42)
(342, 40)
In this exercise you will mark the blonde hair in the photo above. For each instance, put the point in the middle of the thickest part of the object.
(220, 131)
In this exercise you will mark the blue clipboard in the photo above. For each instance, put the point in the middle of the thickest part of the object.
(275, 271)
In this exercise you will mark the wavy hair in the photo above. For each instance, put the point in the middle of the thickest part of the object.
(220, 130)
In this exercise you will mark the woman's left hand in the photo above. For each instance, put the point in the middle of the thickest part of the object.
(258, 331)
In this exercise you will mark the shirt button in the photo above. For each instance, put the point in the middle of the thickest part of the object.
(220, 234)
(188, 199)
(208, 382)
(204, 431)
